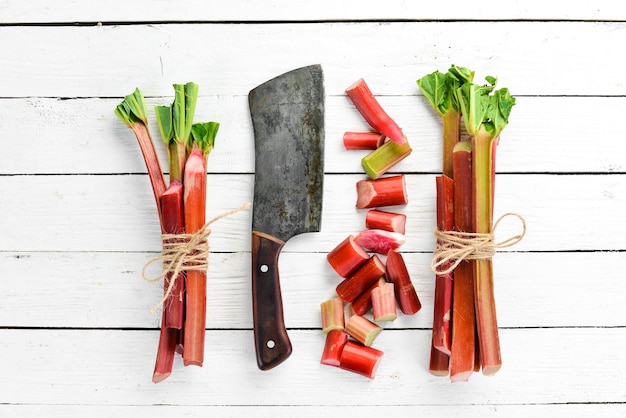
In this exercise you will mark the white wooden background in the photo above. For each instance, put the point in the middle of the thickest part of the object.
(77, 217)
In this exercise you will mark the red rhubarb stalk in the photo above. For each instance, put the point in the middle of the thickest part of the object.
(398, 274)
(360, 359)
(362, 279)
(485, 114)
(132, 111)
(194, 202)
(347, 257)
(443, 282)
(389, 221)
(385, 191)
(373, 113)
(165, 353)
(194, 186)
(362, 140)
(173, 223)
(335, 342)
(462, 354)
(439, 364)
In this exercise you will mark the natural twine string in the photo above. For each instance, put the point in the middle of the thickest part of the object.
(184, 252)
(453, 246)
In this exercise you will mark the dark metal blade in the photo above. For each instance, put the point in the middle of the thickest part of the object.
(288, 122)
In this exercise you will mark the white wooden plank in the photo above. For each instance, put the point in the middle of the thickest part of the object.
(30, 11)
(315, 411)
(105, 290)
(541, 366)
(84, 136)
(116, 213)
(93, 61)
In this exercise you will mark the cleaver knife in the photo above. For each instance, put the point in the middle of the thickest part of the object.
(288, 124)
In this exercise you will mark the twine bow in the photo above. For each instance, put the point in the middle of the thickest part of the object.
(454, 246)
(183, 252)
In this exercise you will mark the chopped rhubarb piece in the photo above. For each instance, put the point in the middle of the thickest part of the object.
(389, 221)
(442, 312)
(384, 158)
(385, 191)
(362, 329)
(379, 240)
(362, 304)
(398, 274)
(362, 140)
(360, 359)
(347, 257)
(335, 342)
(358, 282)
(332, 315)
(373, 113)
(384, 302)
(462, 355)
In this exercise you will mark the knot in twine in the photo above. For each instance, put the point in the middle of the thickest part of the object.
(183, 252)
(454, 246)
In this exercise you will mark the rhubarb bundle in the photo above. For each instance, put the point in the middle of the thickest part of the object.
(465, 332)
(375, 278)
(181, 207)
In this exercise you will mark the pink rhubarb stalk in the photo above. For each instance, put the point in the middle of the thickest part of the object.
(443, 282)
(379, 240)
(332, 315)
(384, 303)
(362, 329)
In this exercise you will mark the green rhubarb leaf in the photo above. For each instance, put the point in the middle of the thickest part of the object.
(191, 97)
(435, 88)
(132, 109)
(461, 74)
(204, 135)
(164, 121)
(456, 77)
(474, 102)
(500, 105)
(178, 113)
(137, 106)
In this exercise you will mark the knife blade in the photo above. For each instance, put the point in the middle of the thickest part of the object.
(288, 123)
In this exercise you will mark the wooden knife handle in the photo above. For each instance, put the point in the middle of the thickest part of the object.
(270, 336)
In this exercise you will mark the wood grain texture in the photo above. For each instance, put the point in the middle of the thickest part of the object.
(77, 217)
(89, 61)
(33, 11)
